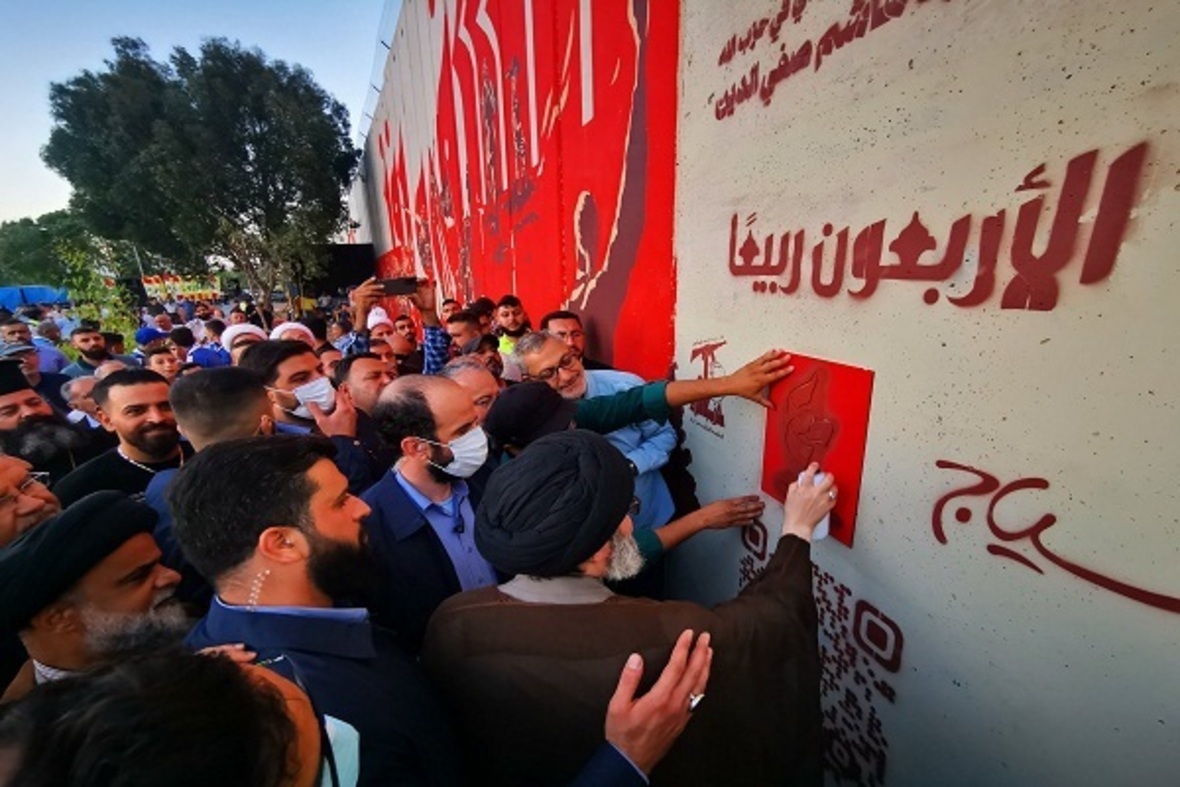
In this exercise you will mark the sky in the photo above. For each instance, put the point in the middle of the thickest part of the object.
(44, 41)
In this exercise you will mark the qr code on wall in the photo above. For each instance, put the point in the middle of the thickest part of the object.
(860, 651)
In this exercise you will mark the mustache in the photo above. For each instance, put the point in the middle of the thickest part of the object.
(164, 599)
(158, 429)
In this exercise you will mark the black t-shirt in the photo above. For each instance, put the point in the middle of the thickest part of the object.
(111, 471)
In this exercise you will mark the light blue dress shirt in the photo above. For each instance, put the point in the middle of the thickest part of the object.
(646, 444)
(453, 521)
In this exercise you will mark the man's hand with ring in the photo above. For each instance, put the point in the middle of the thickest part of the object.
(807, 503)
(645, 729)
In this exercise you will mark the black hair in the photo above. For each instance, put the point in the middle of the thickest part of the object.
(482, 305)
(182, 337)
(230, 492)
(157, 350)
(448, 300)
(264, 358)
(318, 327)
(215, 326)
(110, 337)
(558, 315)
(85, 327)
(152, 718)
(325, 348)
(484, 343)
(345, 366)
(464, 315)
(13, 321)
(509, 300)
(405, 413)
(123, 377)
(213, 402)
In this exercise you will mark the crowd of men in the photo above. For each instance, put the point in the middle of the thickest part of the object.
(369, 549)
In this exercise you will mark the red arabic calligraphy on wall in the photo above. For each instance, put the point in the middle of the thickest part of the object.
(988, 487)
(761, 81)
(915, 255)
(528, 147)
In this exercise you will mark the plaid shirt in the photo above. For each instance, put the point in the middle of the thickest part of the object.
(436, 347)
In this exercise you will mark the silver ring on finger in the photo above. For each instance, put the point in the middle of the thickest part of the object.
(693, 701)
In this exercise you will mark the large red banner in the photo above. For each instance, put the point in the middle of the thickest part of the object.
(529, 147)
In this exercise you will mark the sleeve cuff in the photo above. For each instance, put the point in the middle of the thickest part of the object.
(655, 401)
(649, 544)
(642, 775)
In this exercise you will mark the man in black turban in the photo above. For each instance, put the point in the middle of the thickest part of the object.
(82, 584)
(529, 666)
(31, 429)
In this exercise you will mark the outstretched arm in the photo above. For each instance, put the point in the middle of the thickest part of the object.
(747, 382)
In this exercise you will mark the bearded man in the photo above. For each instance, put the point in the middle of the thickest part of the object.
(288, 568)
(92, 351)
(81, 585)
(423, 520)
(133, 404)
(528, 667)
(32, 430)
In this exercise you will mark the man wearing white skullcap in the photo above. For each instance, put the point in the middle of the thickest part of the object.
(294, 331)
(237, 338)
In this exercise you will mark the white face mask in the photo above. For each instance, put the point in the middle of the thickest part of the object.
(319, 390)
(470, 452)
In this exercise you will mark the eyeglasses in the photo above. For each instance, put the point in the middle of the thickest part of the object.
(633, 509)
(23, 487)
(567, 362)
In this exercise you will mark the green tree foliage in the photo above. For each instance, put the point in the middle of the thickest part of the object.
(226, 154)
(96, 296)
(35, 251)
(30, 248)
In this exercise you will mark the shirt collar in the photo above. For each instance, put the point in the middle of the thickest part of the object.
(341, 632)
(284, 427)
(344, 614)
(556, 590)
(43, 673)
(458, 493)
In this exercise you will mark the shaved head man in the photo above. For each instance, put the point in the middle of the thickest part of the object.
(423, 511)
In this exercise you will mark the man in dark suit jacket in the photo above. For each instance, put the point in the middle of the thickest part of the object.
(278, 565)
(422, 527)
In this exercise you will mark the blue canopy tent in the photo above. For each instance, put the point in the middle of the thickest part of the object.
(12, 298)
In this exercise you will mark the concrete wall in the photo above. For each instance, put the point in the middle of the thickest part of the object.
(977, 201)
(1024, 651)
